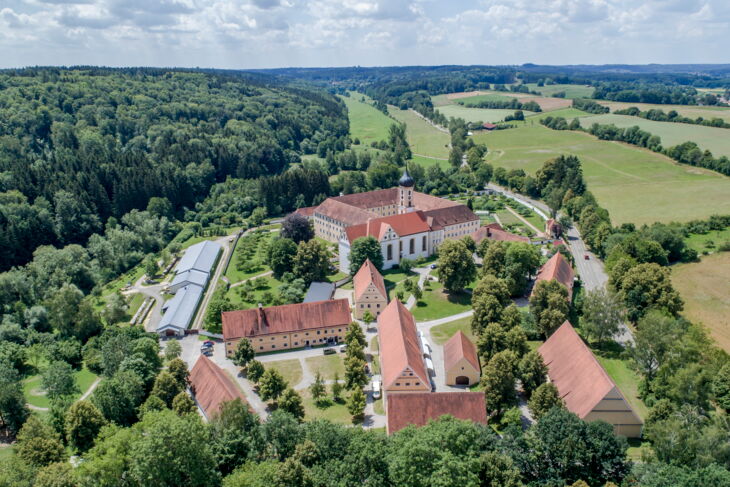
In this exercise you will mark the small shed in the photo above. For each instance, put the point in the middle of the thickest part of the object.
(461, 361)
(489, 126)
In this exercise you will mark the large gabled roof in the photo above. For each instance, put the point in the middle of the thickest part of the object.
(211, 386)
(440, 218)
(494, 231)
(572, 367)
(559, 269)
(403, 224)
(286, 318)
(460, 347)
(190, 277)
(179, 310)
(418, 408)
(199, 257)
(367, 275)
(343, 212)
(400, 347)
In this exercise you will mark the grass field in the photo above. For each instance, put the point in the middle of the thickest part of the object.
(635, 185)
(257, 244)
(714, 139)
(333, 411)
(477, 114)
(327, 365)
(709, 241)
(270, 285)
(366, 122)
(571, 91)
(34, 394)
(684, 110)
(485, 97)
(431, 161)
(423, 137)
(6, 452)
(436, 303)
(441, 333)
(705, 288)
(290, 370)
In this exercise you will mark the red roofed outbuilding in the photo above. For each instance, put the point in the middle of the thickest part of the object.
(370, 293)
(419, 408)
(401, 361)
(288, 326)
(211, 386)
(584, 385)
(494, 231)
(558, 269)
(461, 361)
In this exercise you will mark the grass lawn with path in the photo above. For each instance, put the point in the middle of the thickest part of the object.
(635, 185)
(327, 365)
(255, 245)
(436, 303)
(270, 285)
(441, 333)
(334, 411)
(34, 394)
(290, 370)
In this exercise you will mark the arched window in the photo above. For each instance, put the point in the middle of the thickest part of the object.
(390, 251)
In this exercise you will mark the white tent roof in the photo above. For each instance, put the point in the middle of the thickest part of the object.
(199, 257)
(180, 309)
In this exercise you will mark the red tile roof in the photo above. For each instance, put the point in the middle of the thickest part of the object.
(399, 344)
(418, 408)
(580, 379)
(458, 347)
(426, 202)
(286, 318)
(403, 224)
(341, 212)
(452, 215)
(366, 275)
(306, 211)
(489, 126)
(559, 269)
(497, 233)
(370, 199)
(211, 386)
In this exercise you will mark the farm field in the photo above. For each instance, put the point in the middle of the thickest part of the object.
(423, 137)
(635, 185)
(546, 103)
(571, 91)
(685, 110)
(716, 140)
(705, 288)
(478, 114)
(366, 122)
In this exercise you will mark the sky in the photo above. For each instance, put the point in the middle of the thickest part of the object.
(240, 34)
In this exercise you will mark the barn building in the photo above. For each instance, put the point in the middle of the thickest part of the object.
(370, 293)
(418, 408)
(557, 269)
(210, 386)
(461, 361)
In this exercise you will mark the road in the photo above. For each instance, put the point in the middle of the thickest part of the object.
(220, 267)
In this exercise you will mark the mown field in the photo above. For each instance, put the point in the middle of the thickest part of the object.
(366, 123)
(635, 185)
(477, 114)
(705, 288)
(571, 91)
(423, 138)
(685, 110)
(714, 139)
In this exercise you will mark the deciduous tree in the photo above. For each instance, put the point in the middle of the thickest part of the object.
(364, 248)
(543, 399)
(83, 423)
(244, 353)
(291, 402)
(532, 372)
(281, 254)
(489, 299)
(648, 286)
(311, 262)
(255, 371)
(38, 443)
(58, 380)
(297, 228)
(456, 265)
(166, 387)
(602, 314)
(549, 304)
(271, 385)
(498, 379)
(356, 405)
(183, 404)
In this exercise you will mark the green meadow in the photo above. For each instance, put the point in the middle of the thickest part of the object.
(714, 139)
(423, 137)
(635, 185)
(484, 97)
(477, 114)
(691, 111)
(571, 91)
(366, 122)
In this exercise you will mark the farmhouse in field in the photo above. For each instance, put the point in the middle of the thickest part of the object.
(418, 408)
(401, 360)
(288, 326)
(408, 224)
(211, 387)
(461, 361)
(370, 294)
(494, 231)
(558, 269)
(488, 126)
(584, 385)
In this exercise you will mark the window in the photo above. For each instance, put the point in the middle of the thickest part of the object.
(296, 343)
(390, 252)
(412, 246)
(377, 305)
(261, 339)
(318, 332)
(417, 383)
(273, 346)
(261, 348)
(408, 384)
(397, 383)
(423, 244)
(400, 246)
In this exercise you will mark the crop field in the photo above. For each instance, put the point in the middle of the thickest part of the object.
(423, 137)
(714, 139)
(478, 114)
(684, 110)
(366, 123)
(546, 103)
(571, 91)
(485, 97)
(705, 288)
(635, 185)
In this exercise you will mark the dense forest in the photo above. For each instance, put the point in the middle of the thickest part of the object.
(79, 146)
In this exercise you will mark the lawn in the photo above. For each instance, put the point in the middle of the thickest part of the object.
(327, 365)
(512, 223)
(441, 333)
(394, 276)
(571, 91)
(705, 288)
(484, 97)
(366, 122)
(684, 110)
(424, 138)
(431, 161)
(334, 411)
(626, 380)
(436, 303)
(714, 139)
(290, 369)
(269, 285)
(478, 114)
(35, 395)
(6, 452)
(378, 406)
(250, 249)
(708, 241)
(635, 185)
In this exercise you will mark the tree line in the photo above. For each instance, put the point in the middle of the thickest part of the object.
(659, 115)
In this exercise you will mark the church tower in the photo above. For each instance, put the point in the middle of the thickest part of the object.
(405, 192)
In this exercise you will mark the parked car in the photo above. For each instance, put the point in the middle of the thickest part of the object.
(329, 351)
(376, 389)
(207, 352)
(587, 257)
(433, 266)
(343, 348)
(208, 343)
(206, 348)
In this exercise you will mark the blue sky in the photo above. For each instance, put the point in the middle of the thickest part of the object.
(276, 33)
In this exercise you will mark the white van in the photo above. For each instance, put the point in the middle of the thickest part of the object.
(376, 389)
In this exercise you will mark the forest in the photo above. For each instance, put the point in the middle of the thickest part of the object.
(79, 146)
